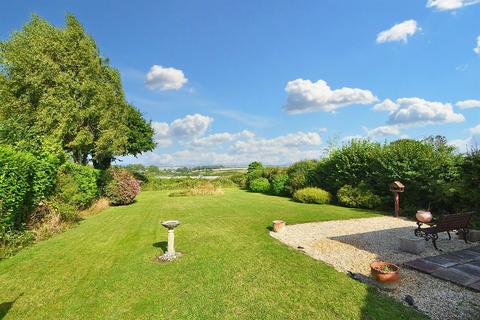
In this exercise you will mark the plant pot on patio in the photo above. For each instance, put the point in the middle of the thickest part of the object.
(386, 274)
(278, 225)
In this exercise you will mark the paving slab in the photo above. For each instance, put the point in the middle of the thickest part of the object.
(456, 276)
(423, 266)
(475, 286)
(463, 256)
(443, 261)
(468, 268)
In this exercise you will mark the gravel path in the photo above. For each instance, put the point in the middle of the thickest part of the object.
(351, 245)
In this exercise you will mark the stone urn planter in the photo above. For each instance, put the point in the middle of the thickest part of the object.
(386, 274)
(278, 225)
(424, 216)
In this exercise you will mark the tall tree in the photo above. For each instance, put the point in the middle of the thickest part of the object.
(56, 88)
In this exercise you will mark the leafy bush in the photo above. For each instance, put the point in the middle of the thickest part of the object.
(121, 187)
(24, 181)
(278, 184)
(259, 185)
(312, 195)
(357, 197)
(301, 175)
(77, 185)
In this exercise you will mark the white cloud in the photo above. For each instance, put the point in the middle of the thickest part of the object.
(184, 129)
(163, 79)
(191, 126)
(216, 139)
(477, 48)
(467, 104)
(162, 133)
(444, 5)
(385, 105)
(381, 131)
(307, 96)
(413, 112)
(399, 32)
(475, 131)
(417, 111)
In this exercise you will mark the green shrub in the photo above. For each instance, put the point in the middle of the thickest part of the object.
(301, 175)
(278, 184)
(357, 197)
(312, 195)
(24, 181)
(259, 185)
(121, 187)
(77, 186)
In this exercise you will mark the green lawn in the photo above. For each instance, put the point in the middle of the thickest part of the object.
(232, 268)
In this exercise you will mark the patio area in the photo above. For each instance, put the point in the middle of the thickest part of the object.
(350, 246)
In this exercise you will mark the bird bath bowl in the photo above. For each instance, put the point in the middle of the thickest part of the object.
(170, 224)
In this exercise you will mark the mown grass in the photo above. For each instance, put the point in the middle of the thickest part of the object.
(231, 268)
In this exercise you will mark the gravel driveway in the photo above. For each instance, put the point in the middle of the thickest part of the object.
(351, 245)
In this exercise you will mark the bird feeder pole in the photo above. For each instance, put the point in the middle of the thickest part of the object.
(396, 187)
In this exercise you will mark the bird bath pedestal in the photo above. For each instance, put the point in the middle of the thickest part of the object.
(170, 254)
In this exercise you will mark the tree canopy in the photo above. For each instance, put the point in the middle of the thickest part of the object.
(56, 90)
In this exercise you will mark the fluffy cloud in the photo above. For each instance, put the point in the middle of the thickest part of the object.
(190, 126)
(162, 133)
(444, 5)
(307, 96)
(383, 131)
(163, 79)
(477, 48)
(417, 111)
(184, 129)
(399, 32)
(385, 105)
(467, 104)
(412, 112)
(220, 138)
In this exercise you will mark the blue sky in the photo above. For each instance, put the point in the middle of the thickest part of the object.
(229, 82)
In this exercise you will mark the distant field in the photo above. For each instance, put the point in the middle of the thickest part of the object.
(231, 268)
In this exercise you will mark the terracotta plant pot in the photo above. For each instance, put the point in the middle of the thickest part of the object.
(424, 216)
(385, 273)
(278, 225)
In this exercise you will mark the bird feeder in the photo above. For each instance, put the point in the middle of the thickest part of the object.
(396, 187)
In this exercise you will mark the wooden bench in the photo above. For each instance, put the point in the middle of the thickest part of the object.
(446, 223)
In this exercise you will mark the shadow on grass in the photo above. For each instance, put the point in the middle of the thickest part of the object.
(161, 244)
(6, 306)
(378, 305)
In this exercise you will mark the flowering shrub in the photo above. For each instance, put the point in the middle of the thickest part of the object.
(121, 187)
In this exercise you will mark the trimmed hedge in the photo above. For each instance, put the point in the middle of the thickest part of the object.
(121, 187)
(358, 197)
(25, 180)
(259, 185)
(312, 195)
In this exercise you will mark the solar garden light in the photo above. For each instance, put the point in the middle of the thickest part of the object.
(170, 254)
